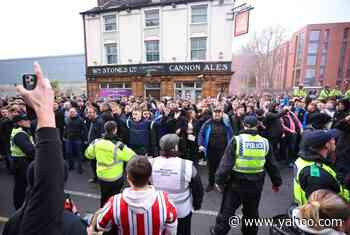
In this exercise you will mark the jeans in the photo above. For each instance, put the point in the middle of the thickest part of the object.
(74, 153)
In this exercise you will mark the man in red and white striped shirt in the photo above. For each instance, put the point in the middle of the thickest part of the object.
(140, 209)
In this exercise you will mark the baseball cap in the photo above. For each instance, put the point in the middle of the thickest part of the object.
(168, 142)
(319, 137)
(250, 121)
(20, 117)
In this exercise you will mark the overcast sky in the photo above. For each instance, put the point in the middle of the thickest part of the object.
(54, 27)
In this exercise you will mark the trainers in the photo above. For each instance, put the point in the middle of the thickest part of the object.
(92, 181)
(202, 163)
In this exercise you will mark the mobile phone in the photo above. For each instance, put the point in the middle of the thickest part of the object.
(29, 81)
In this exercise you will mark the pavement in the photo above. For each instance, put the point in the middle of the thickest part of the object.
(86, 196)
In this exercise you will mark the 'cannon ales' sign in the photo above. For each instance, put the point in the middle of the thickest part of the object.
(160, 69)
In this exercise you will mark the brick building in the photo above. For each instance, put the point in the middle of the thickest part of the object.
(316, 55)
(179, 48)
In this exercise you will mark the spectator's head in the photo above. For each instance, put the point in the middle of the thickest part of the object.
(169, 145)
(91, 113)
(139, 171)
(319, 120)
(190, 114)
(72, 113)
(330, 105)
(240, 111)
(104, 107)
(137, 115)
(111, 130)
(250, 122)
(55, 106)
(218, 112)
(67, 105)
(4, 113)
(146, 114)
(301, 86)
(13, 111)
(321, 141)
(343, 105)
(321, 106)
(312, 107)
(324, 204)
(116, 108)
(22, 120)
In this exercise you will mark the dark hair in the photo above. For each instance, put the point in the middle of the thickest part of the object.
(109, 127)
(139, 170)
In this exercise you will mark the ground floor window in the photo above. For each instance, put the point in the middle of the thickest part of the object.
(188, 90)
(152, 90)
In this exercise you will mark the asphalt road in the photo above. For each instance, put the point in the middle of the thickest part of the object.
(86, 196)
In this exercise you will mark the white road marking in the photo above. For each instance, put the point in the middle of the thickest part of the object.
(95, 196)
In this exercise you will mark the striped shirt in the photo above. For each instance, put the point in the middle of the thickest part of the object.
(159, 219)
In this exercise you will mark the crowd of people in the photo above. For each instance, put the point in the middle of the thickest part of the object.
(158, 148)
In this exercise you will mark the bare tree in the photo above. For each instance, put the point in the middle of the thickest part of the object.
(264, 46)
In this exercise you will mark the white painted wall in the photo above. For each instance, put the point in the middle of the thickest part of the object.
(174, 34)
(93, 41)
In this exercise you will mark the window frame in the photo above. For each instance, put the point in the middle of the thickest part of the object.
(146, 51)
(107, 54)
(199, 49)
(115, 23)
(145, 18)
(206, 14)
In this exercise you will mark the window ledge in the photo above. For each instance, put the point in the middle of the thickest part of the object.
(200, 23)
(111, 31)
(151, 27)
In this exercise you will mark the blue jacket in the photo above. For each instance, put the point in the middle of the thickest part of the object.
(204, 133)
(139, 133)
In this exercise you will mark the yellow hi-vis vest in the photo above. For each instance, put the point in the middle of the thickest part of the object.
(300, 93)
(110, 158)
(15, 150)
(251, 151)
(299, 193)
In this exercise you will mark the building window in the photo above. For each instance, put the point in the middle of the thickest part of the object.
(310, 77)
(198, 48)
(312, 48)
(110, 22)
(314, 35)
(199, 14)
(152, 50)
(111, 53)
(152, 18)
(323, 60)
(311, 60)
(188, 90)
(346, 34)
(322, 70)
(341, 60)
(300, 48)
(117, 85)
(326, 35)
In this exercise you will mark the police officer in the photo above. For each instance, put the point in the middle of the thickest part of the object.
(110, 156)
(300, 91)
(180, 179)
(242, 168)
(22, 152)
(313, 168)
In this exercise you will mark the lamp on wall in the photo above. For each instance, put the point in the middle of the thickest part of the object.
(174, 58)
(130, 60)
(221, 55)
(173, 5)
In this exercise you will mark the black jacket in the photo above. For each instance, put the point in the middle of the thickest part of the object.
(196, 189)
(75, 129)
(225, 173)
(273, 125)
(342, 151)
(44, 202)
(59, 118)
(94, 129)
(237, 124)
(6, 126)
(311, 183)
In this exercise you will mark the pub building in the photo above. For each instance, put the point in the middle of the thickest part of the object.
(180, 48)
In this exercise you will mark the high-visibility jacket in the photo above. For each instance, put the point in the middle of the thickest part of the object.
(251, 152)
(336, 93)
(325, 94)
(110, 158)
(300, 93)
(347, 94)
(299, 193)
(15, 150)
